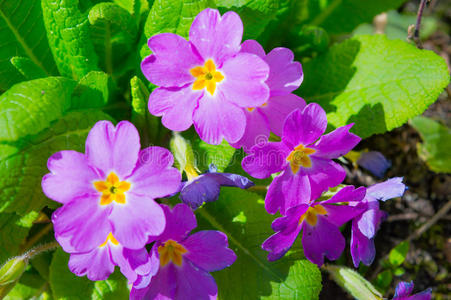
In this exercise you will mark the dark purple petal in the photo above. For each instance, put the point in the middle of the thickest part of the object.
(323, 175)
(266, 159)
(304, 126)
(82, 223)
(362, 248)
(162, 286)
(96, 264)
(375, 162)
(171, 60)
(348, 194)
(70, 176)
(336, 143)
(179, 222)
(286, 191)
(403, 289)
(202, 189)
(340, 214)
(216, 37)
(209, 250)
(323, 239)
(229, 179)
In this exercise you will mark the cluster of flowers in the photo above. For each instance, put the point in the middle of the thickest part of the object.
(228, 90)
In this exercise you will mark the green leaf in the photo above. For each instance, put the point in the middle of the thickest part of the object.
(220, 155)
(353, 283)
(173, 16)
(69, 38)
(436, 145)
(255, 14)
(399, 271)
(398, 254)
(342, 16)
(377, 83)
(252, 276)
(23, 34)
(27, 68)
(383, 280)
(13, 231)
(31, 106)
(30, 286)
(66, 285)
(113, 33)
(94, 90)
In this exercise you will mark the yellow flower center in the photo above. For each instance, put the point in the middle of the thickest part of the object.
(112, 189)
(251, 109)
(206, 77)
(311, 214)
(110, 238)
(300, 157)
(171, 251)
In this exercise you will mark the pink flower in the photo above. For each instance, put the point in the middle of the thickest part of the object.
(206, 80)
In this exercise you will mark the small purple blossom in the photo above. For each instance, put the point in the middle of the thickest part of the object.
(365, 225)
(285, 75)
(405, 289)
(319, 223)
(184, 260)
(205, 81)
(110, 189)
(375, 162)
(306, 165)
(206, 187)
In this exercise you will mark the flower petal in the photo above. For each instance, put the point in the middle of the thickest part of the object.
(286, 191)
(113, 149)
(195, 284)
(323, 175)
(208, 250)
(304, 126)
(375, 162)
(83, 222)
(404, 289)
(369, 221)
(324, 239)
(96, 264)
(215, 36)
(131, 262)
(388, 189)
(253, 47)
(362, 248)
(256, 132)
(176, 105)
(154, 175)
(135, 220)
(244, 84)
(179, 222)
(171, 60)
(216, 119)
(70, 176)
(229, 179)
(266, 159)
(285, 74)
(336, 143)
(163, 286)
(348, 194)
(200, 190)
(340, 214)
(278, 108)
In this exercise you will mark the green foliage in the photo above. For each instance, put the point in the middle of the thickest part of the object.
(23, 34)
(383, 280)
(220, 155)
(69, 38)
(398, 254)
(252, 276)
(94, 90)
(436, 144)
(27, 68)
(353, 283)
(377, 83)
(65, 285)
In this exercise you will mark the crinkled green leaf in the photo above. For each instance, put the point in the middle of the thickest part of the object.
(241, 215)
(113, 33)
(24, 162)
(94, 90)
(398, 254)
(31, 106)
(353, 283)
(23, 34)
(220, 155)
(69, 38)
(436, 146)
(30, 286)
(374, 82)
(173, 16)
(66, 285)
(27, 68)
(342, 16)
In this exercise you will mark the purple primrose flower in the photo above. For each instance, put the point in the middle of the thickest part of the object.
(404, 289)
(206, 187)
(206, 80)
(319, 222)
(307, 166)
(365, 225)
(375, 162)
(110, 189)
(184, 260)
(285, 75)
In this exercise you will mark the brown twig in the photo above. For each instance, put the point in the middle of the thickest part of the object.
(38, 236)
(416, 32)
